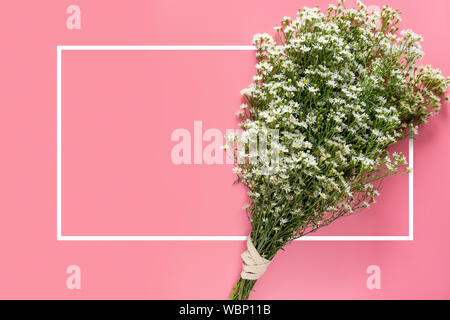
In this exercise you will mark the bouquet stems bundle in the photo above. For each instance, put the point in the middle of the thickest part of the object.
(328, 101)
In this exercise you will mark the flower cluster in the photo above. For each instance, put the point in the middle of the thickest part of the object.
(339, 89)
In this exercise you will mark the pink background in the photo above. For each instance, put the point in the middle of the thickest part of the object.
(118, 111)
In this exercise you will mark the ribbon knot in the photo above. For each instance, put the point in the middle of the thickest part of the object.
(253, 265)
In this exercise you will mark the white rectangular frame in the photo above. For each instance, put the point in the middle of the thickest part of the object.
(61, 237)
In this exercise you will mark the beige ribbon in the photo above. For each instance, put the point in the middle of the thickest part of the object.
(253, 265)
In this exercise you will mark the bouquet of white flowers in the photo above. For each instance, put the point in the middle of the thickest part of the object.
(325, 104)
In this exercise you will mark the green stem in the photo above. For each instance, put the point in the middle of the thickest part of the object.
(242, 289)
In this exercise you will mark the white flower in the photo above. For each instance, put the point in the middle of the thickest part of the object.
(305, 49)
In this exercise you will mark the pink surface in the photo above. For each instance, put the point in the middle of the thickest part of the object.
(119, 109)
